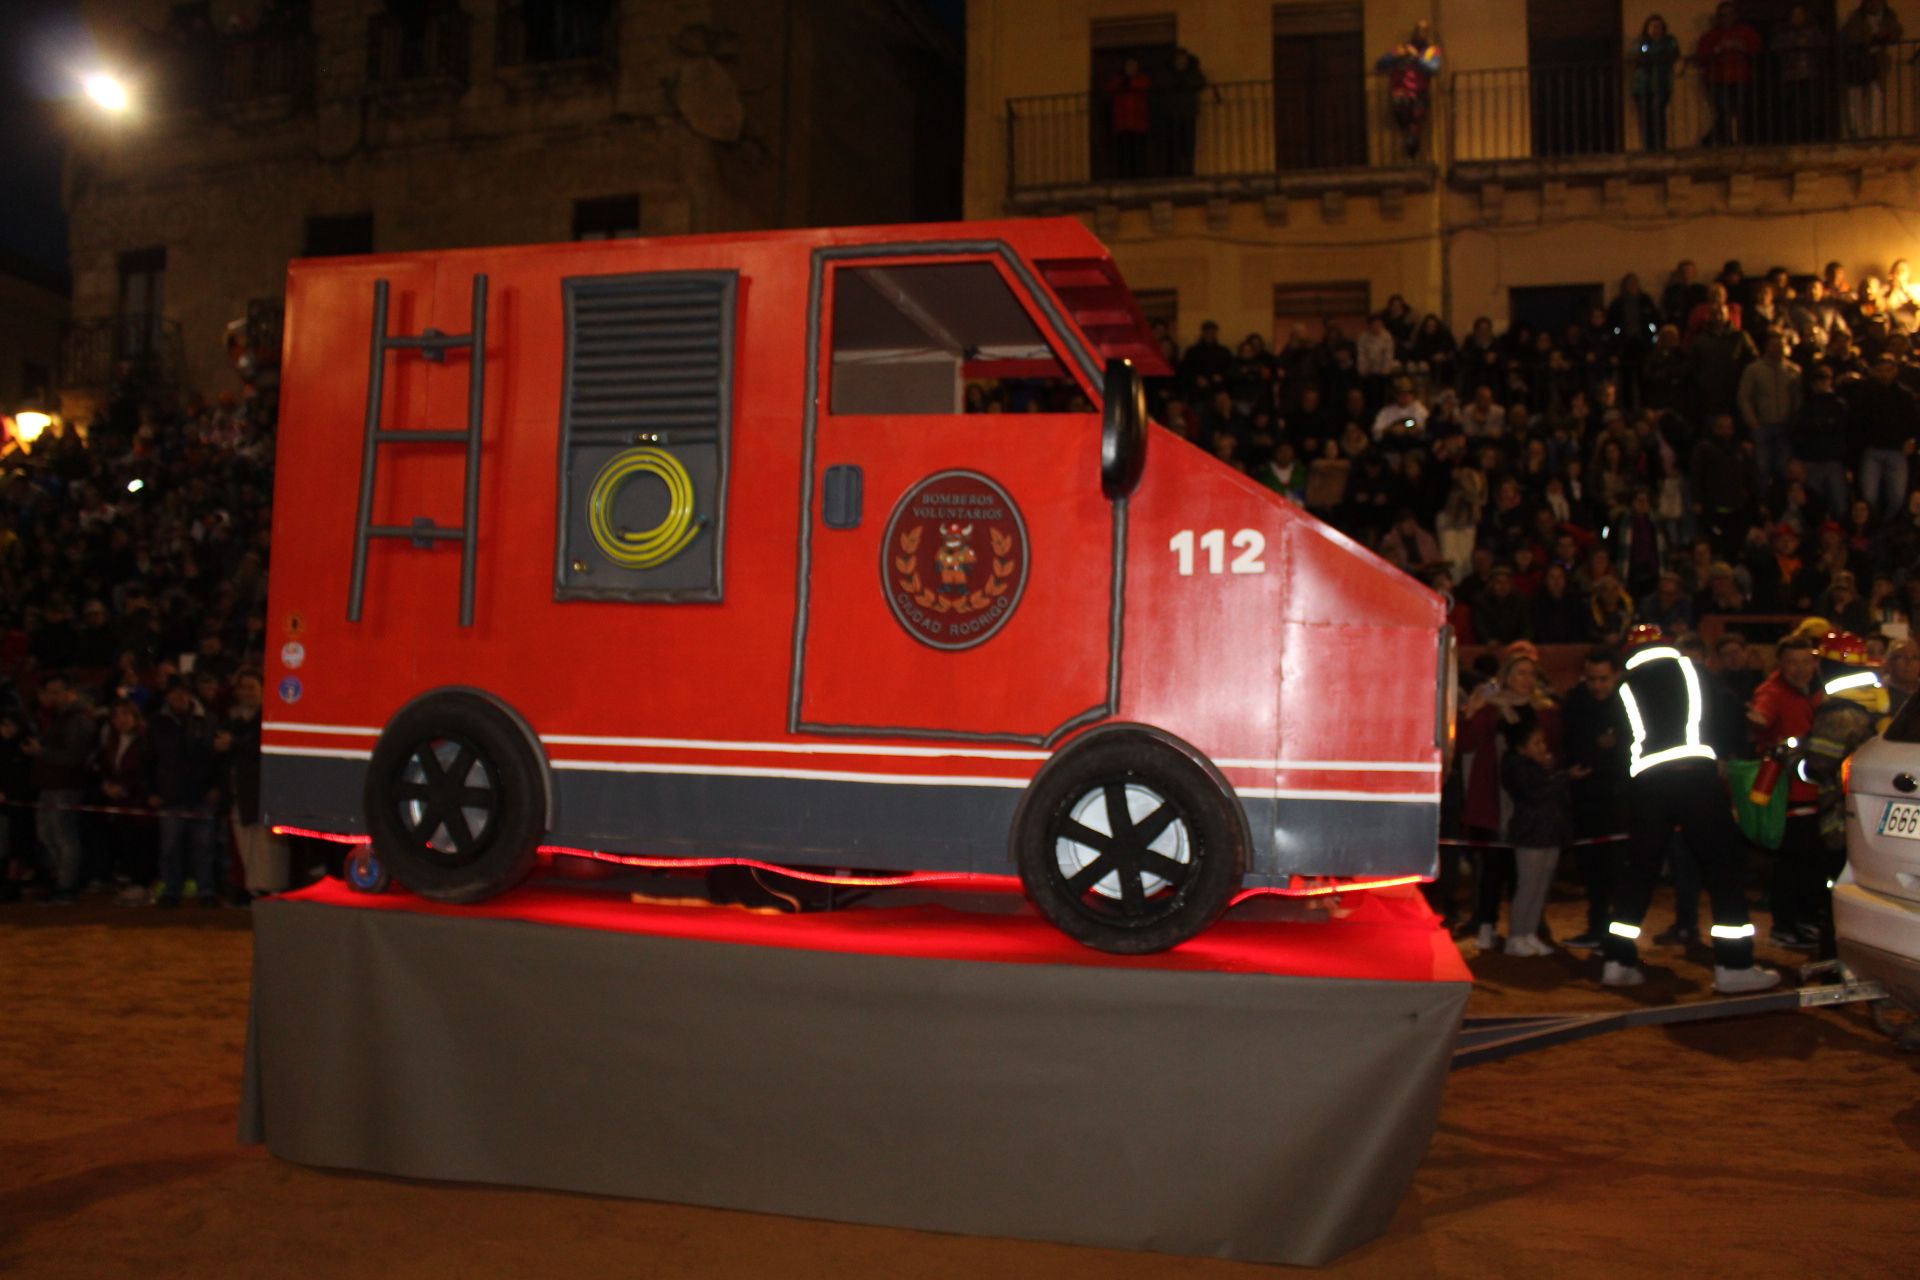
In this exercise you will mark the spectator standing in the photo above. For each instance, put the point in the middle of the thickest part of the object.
(237, 746)
(16, 795)
(1769, 397)
(1800, 62)
(1886, 419)
(1903, 672)
(1597, 733)
(1818, 438)
(1205, 365)
(1129, 118)
(59, 752)
(120, 767)
(1500, 615)
(1726, 55)
(1654, 58)
(183, 789)
(1180, 110)
(1539, 826)
(1722, 491)
(1410, 68)
(1864, 41)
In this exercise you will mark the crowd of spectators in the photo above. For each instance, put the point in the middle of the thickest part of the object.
(133, 581)
(1727, 457)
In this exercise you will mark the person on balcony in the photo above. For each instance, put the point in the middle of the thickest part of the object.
(1129, 118)
(1800, 53)
(1410, 69)
(1655, 56)
(1864, 41)
(1725, 56)
(1179, 98)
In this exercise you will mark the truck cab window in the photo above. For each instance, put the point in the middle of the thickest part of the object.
(941, 338)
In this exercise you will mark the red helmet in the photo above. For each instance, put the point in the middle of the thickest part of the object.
(1644, 634)
(1843, 647)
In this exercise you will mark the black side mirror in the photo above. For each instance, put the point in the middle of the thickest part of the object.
(1123, 430)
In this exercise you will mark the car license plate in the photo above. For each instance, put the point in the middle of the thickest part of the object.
(1902, 821)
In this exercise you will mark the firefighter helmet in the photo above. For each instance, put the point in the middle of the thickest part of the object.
(1843, 647)
(1644, 634)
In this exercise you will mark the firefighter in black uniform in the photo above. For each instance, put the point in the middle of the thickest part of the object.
(1855, 709)
(1674, 781)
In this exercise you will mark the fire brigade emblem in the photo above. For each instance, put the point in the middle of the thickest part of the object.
(954, 561)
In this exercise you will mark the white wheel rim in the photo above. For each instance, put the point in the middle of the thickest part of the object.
(1090, 811)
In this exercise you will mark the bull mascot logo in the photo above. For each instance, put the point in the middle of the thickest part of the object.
(954, 557)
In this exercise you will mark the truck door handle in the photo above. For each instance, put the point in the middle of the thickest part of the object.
(841, 501)
(1904, 782)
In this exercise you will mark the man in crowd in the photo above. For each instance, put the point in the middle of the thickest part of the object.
(1596, 736)
(1769, 398)
(1887, 421)
(185, 795)
(59, 752)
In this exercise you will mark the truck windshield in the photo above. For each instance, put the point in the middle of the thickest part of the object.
(941, 338)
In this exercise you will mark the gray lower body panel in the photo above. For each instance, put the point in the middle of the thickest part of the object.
(866, 825)
(943, 1095)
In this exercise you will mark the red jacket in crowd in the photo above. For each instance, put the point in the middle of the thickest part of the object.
(1726, 54)
(1786, 713)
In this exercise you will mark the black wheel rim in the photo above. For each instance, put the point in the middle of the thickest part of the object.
(1124, 852)
(449, 800)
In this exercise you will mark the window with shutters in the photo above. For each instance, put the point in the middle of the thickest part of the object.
(645, 424)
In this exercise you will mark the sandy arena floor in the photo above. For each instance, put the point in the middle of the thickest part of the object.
(1780, 1145)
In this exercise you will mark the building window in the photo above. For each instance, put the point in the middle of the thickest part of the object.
(1318, 307)
(143, 276)
(1320, 79)
(606, 218)
(1573, 53)
(1551, 308)
(535, 31)
(1130, 57)
(944, 338)
(329, 237)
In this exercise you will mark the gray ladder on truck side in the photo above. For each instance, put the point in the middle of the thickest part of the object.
(423, 532)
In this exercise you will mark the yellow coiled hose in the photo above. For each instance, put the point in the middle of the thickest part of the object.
(665, 540)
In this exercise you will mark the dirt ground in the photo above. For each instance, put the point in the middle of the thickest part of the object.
(1785, 1144)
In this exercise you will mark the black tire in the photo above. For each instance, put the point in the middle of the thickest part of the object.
(455, 798)
(1180, 859)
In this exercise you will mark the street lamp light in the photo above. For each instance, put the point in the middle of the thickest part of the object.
(106, 92)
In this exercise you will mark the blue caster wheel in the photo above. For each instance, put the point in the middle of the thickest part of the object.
(366, 873)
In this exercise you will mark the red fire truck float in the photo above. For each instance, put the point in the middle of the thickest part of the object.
(695, 551)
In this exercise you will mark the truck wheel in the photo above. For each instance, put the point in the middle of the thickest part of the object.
(454, 799)
(1129, 843)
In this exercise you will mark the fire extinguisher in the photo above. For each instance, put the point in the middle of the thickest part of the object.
(1761, 793)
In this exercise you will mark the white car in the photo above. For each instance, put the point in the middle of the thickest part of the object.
(1876, 901)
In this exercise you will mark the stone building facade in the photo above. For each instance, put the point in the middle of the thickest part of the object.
(1293, 197)
(264, 130)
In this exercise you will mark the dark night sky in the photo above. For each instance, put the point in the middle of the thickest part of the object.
(43, 45)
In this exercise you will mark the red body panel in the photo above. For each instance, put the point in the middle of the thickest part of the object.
(1286, 677)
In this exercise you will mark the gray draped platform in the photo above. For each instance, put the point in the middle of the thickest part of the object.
(1235, 1114)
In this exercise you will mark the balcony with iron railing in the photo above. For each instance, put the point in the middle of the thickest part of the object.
(1793, 110)
(98, 351)
(1246, 138)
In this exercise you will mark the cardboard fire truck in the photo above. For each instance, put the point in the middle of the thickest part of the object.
(708, 549)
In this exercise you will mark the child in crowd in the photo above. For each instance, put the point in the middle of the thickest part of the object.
(1541, 824)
